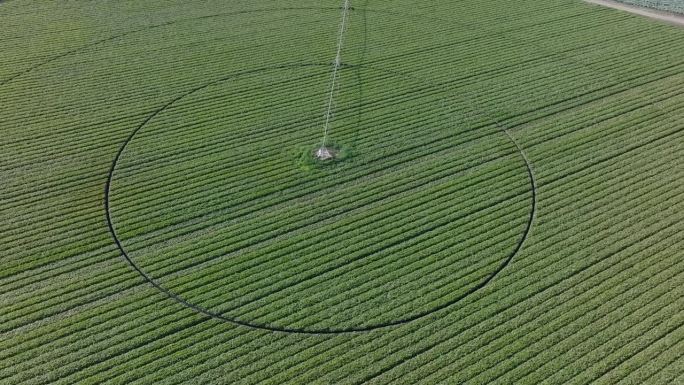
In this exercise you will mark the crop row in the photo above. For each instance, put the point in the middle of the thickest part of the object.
(618, 141)
(618, 190)
(272, 359)
(558, 312)
(392, 30)
(618, 169)
(530, 272)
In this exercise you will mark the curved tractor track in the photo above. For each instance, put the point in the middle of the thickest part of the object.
(209, 313)
(222, 317)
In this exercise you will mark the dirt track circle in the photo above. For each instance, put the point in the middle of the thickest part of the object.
(168, 251)
(206, 199)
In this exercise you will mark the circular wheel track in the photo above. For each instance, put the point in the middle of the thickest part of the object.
(177, 298)
(222, 317)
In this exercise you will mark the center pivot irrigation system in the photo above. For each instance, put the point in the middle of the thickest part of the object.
(324, 152)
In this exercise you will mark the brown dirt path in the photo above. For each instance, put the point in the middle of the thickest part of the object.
(652, 13)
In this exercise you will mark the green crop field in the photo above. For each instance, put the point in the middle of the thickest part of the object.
(506, 204)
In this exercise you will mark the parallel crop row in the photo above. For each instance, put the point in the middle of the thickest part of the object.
(209, 200)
